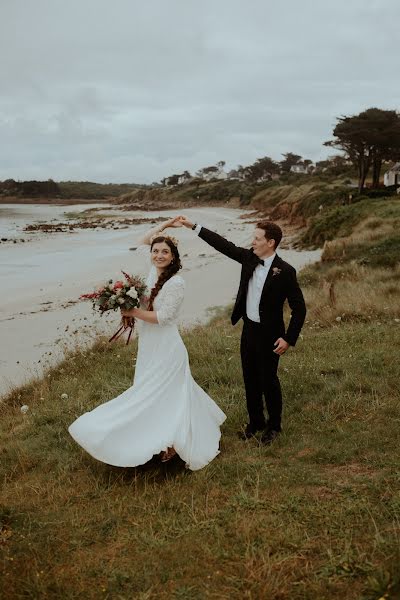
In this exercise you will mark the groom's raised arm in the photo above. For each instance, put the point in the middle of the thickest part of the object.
(218, 242)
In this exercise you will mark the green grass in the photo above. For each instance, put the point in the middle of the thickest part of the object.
(316, 516)
(341, 221)
(382, 253)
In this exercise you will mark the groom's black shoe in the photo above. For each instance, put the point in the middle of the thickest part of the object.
(269, 436)
(249, 431)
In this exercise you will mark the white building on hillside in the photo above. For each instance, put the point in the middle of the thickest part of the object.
(214, 173)
(392, 176)
(299, 169)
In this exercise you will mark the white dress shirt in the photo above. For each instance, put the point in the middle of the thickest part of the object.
(255, 286)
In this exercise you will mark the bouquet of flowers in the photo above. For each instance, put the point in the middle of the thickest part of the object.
(125, 294)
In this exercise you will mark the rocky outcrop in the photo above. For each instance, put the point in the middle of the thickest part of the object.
(92, 224)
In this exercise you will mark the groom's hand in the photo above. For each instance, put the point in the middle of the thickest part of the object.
(280, 346)
(185, 222)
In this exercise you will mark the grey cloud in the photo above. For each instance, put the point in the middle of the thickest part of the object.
(132, 91)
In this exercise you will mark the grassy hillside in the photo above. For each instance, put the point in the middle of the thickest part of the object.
(196, 193)
(341, 221)
(295, 196)
(297, 203)
(359, 273)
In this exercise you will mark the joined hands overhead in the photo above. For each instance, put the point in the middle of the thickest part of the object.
(173, 222)
(178, 221)
(185, 222)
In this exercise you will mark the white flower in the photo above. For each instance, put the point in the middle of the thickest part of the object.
(24, 409)
(120, 300)
(113, 297)
(64, 396)
(132, 293)
(110, 286)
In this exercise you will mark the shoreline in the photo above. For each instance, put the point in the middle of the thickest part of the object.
(112, 201)
(53, 201)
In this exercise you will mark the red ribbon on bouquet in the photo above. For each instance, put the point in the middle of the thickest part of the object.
(122, 330)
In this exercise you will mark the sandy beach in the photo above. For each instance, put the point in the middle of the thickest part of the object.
(42, 280)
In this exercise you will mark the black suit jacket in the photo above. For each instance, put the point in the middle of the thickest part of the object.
(281, 284)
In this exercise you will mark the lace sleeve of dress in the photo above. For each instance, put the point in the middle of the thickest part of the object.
(144, 250)
(173, 296)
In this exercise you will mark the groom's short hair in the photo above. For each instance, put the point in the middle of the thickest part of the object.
(272, 231)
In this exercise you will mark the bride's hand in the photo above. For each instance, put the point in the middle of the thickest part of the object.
(127, 321)
(128, 313)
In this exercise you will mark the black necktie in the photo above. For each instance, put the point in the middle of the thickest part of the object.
(260, 261)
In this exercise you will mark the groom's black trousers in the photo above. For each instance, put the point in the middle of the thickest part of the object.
(260, 366)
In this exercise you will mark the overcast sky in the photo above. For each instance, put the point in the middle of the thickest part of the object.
(132, 91)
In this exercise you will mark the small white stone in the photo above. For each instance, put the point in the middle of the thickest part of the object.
(64, 396)
(24, 409)
(338, 319)
(397, 320)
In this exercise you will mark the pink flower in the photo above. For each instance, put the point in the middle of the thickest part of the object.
(118, 284)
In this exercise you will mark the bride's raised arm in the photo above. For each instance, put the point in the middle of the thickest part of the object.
(173, 222)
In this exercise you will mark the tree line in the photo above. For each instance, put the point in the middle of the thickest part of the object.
(367, 141)
(64, 189)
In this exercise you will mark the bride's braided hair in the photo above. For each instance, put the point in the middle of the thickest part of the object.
(171, 270)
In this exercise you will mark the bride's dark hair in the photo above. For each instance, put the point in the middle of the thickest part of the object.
(169, 271)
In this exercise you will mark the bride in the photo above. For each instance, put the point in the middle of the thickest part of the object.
(164, 411)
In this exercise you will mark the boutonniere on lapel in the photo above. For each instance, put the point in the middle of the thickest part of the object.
(276, 271)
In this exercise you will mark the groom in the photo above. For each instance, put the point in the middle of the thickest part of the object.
(266, 281)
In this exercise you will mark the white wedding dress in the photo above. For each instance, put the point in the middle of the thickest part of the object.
(165, 407)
